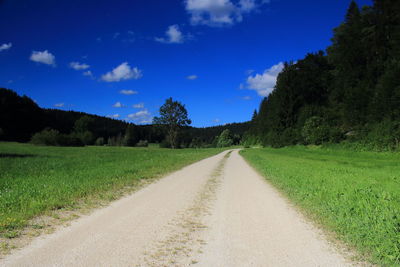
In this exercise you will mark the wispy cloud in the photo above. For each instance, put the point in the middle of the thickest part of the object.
(142, 117)
(264, 83)
(5, 46)
(128, 92)
(88, 74)
(217, 13)
(246, 98)
(59, 105)
(192, 77)
(44, 57)
(114, 116)
(116, 35)
(138, 105)
(118, 105)
(79, 66)
(122, 72)
(173, 35)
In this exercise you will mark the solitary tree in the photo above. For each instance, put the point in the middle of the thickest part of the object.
(174, 116)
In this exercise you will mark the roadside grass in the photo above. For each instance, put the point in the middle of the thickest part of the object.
(37, 179)
(355, 195)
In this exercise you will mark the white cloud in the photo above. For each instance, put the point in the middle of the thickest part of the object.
(122, 72)
(59, 105)
(246, 97)
(5, 46)
(114, 116)
(138, 105)
(44, 57)
(118, 105)
(173, 36)
(217, 13)
(264, 83)
(88, 73)
(192, 77)
(116, 35)
(141, 117)
(128, 92)
(216, 120)
(79, 66)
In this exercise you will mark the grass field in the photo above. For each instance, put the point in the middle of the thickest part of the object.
(35, 179)
(353, 194)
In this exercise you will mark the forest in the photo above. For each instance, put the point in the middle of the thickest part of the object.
(349, 93)
(22, 120)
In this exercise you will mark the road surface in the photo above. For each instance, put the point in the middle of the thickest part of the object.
(216, 212)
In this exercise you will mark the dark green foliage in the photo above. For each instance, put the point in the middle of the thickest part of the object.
(51, 137)
(21, 118)
(315, 131)
(173, 115)
(131, 135)
(99, 141)
(354, 88)
(142, 143)
(225, 139)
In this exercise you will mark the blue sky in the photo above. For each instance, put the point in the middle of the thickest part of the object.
(124, 58)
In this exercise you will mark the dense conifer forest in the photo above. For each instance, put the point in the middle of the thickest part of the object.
(350, 92)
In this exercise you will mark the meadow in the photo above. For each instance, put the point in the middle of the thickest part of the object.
(353, 195)
(38, 179)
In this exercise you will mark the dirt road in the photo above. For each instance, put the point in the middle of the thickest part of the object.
(216, 212)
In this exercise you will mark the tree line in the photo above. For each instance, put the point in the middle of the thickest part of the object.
(349, 93)
(22, 120)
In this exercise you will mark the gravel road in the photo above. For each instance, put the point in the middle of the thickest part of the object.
(216, 212)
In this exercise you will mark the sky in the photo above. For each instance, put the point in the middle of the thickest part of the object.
(123, 58)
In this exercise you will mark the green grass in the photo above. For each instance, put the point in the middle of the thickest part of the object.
(36, 179)
(355, 195)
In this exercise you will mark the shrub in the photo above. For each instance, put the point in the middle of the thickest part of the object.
(47, 137)
(99, 141)
(51, 137)
(225, 139)
(165, 144)
(142, 143)
(381, 136)
(315, 131)
(86, 137)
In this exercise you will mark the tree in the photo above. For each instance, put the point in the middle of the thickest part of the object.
(173, 115)
(131, 135)
(82, 129)
(225, 139)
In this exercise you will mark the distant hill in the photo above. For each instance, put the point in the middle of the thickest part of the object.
(21, 117)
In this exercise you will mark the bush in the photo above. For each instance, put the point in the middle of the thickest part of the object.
(47, 137)
(99, 141)
(51, 137)
(115, 140)
(142, 143)
(225, 139)
(165, 144)
(381, 136)
(86, 137)
(315, 131)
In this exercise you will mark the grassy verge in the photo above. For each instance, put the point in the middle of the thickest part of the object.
(356, 195)
(35, 180)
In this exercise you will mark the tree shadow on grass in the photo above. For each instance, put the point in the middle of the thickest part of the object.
(11, 155)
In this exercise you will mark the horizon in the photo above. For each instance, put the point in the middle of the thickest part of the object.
(117, 61)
